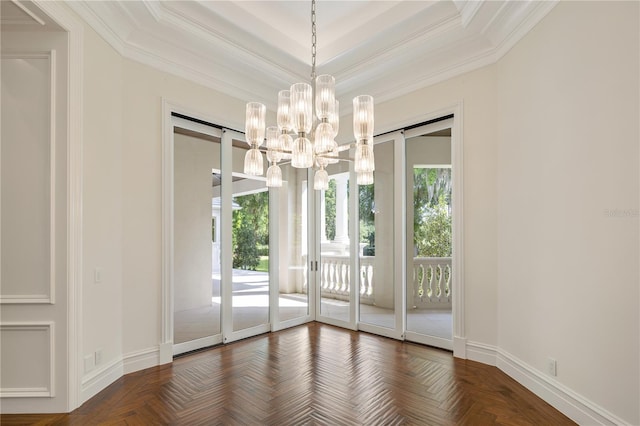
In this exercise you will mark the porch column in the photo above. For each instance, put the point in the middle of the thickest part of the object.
(342, 212)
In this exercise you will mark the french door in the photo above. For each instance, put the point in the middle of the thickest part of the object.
(429, 201)
(381, 227)
(357, 256)
(385, 249)
(240, 251)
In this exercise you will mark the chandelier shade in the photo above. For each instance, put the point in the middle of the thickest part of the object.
(301, 107)
(274, 176)
(321, 180)
(363, 118)
(325, 96)
(253, 164)
(364, 158)
(364, 178)
(302, 156)
(254, 123)
(283, 116)
(307, 124)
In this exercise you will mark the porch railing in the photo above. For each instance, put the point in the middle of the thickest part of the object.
(430, 286)
(431, 282)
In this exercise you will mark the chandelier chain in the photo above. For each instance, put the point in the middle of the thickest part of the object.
(313, 40)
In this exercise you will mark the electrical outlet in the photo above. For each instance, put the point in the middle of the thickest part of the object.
(98, 356)
(552, 367)
(89, 363)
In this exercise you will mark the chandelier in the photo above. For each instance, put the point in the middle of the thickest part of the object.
(310, 113)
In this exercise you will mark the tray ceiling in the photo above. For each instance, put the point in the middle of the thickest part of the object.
(252, 49)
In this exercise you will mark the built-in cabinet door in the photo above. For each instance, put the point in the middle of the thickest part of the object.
(381, 238)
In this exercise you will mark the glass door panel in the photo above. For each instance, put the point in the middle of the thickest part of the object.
(380, 216)
(250, 255)
(335, 264)
(290, 248)
(250, 248)
(196, 231)
(429, 237)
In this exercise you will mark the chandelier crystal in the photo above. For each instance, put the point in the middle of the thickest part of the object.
(311, 113)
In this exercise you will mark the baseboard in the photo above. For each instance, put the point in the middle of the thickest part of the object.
(95, 382)
(565, 400)
(100, 379)
(139, 360)
(459, 347)
(481, 352)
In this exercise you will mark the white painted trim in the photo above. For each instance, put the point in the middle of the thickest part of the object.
(52, 174)
(542, 8)
(460, 347)
(98, 380)
(400, 232)
(167, 230)
(457, 204)
(145, 358)
(75, 29)
(573, 405)
(195, 344)
(354, 247)
(480, 352)
(274, 259)
(49, 391)
(29, 12)
(50, 56)
(423, 339)
(226, 247)
(568, 402)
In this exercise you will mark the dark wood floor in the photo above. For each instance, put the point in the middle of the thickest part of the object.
(312, 374)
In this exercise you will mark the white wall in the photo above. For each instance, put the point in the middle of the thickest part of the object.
(102, 210)
(568, 101)
(568, 155)
(193, 160)
(143, 90)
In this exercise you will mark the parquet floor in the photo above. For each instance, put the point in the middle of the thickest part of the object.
(312, 374)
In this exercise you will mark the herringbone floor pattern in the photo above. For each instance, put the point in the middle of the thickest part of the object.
(313, 374)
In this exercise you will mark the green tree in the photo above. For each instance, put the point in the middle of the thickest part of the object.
(432, 219)
(250, 229)
(330, 210)
(367, 219)
(245, 253)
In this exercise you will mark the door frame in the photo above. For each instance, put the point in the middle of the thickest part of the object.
(455, 109)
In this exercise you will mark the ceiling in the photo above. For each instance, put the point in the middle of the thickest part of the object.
(24, 16)
(253, 49)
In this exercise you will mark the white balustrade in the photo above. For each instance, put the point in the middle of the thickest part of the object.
(431, 282)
